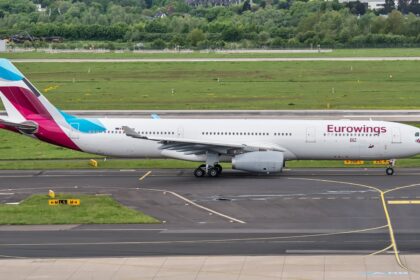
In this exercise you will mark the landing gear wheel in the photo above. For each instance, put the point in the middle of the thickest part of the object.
(219, 168)
(199, 172)
(213, 172)
(389, 171)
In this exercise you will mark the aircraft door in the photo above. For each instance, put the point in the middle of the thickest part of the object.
(310, 135)
(396, 135)
(180, 132)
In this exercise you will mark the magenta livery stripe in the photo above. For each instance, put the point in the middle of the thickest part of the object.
(25, 102)
(32, 109)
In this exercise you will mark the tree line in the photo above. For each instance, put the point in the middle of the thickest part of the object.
(180, 24)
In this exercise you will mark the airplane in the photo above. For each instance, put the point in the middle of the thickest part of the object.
(256, 146)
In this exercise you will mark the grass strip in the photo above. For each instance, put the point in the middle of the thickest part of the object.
(92, 210)
(373, 52)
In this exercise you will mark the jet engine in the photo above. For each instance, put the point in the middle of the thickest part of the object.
(264, 162)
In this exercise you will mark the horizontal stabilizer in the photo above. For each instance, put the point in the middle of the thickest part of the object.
(27, 127)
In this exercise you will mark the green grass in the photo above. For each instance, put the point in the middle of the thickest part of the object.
(92, 210)
(243, 85)
(334, 53)
(247, 85)
(14, 146)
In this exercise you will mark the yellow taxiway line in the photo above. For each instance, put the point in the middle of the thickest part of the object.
(403, 201)
(388, 219)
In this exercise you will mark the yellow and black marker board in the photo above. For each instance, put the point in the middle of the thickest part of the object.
(354, 162)
(71, 202)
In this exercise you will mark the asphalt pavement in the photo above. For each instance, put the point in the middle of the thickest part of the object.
(302, 211)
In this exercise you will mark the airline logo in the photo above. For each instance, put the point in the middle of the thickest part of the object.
(356, 129)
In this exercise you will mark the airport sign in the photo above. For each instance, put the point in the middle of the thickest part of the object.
(71, 202)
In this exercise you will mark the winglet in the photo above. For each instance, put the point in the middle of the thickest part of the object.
(155, 116)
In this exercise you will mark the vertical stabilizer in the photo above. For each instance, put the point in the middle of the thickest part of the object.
(24, 103)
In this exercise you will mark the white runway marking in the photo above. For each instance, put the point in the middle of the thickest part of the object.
(145, 175)
(198, 205)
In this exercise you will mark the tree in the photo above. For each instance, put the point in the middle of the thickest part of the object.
(394, 23)
(158, 44)
(388, 6)
(246, 6)
(231, 33)
(403, 6)
(414, 7)
(156, 26)
(357, 7)
(195, 36)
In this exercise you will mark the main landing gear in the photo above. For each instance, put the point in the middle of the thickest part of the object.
(211, 171)
(390, 170)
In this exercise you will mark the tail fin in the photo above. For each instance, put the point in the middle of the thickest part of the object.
(21, 99)
(27, 109)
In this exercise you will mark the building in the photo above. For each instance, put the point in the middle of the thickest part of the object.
(213, 2)
(2, 45)
(371, 4)
(39, 8)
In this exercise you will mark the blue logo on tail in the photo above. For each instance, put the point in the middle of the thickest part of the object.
(83, 125)
(9, 72)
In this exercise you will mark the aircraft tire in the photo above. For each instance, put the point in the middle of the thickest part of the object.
(389, 171)
(213, 172)
(199, 172)
(219, 168)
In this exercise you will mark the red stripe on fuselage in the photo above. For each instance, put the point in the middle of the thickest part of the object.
(32, 109)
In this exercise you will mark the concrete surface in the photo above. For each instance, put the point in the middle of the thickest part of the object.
(332, 267)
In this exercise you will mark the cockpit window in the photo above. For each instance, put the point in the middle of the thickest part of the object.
(417, 134)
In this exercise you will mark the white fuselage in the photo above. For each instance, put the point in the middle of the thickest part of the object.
(299, 139)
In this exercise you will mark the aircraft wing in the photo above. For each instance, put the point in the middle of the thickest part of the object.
(197, 146)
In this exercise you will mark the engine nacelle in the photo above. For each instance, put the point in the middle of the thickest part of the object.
(265, 162)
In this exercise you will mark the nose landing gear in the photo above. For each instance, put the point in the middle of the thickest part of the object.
(390, 170)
